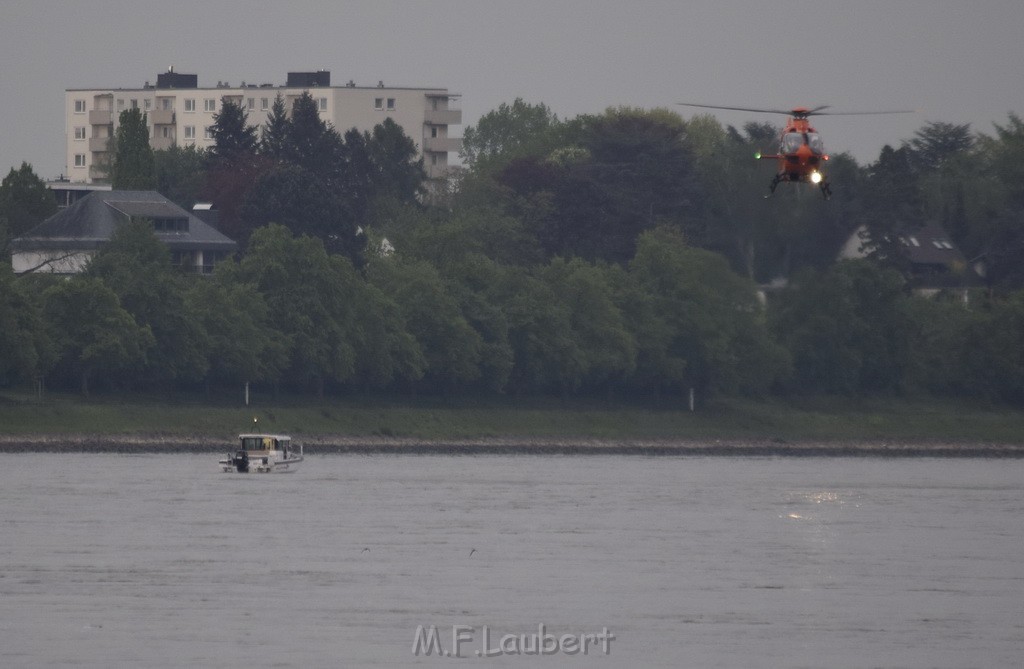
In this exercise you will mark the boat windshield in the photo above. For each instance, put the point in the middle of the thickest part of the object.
(258, 443)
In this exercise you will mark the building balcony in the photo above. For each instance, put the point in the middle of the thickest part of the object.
(161, 116)
(443, 116)
(98, 173)
(98, 144)
(161, 143)
(442, 144)
(101, 117)
(439, 171)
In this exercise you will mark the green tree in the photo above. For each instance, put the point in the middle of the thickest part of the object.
(510, 130)
(733, 219)
(936, 143)
(234, 140)
(893, 206)
(387, 353)
(25, 202)
(451, 348)
(243, 344)
(993, 361)
(398, 170)
(470, 280)
(622, 173)
(292, 196)
(996, 206)
(274, 134)
(25, 347)
(133, 167)
(308, 141)
(847, 329)
(180, 174)
(717, 335)
(137, 267)
(547, 358)
(940, 332)
(92, 332)
(597, 325)
(229, 186)
(309, 295)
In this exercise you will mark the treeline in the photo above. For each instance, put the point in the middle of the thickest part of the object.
(611, 254)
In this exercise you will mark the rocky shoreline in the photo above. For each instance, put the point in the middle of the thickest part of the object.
(343, 444)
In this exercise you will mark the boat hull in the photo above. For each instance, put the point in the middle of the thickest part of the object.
(256, 466)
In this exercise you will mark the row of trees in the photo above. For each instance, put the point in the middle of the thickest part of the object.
(615, 253)
(446, 320)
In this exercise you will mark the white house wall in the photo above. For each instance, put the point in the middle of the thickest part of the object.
(50, 262)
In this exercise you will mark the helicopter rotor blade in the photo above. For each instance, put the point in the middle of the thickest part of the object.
(817, 111)
(865, 113)
(746, 109)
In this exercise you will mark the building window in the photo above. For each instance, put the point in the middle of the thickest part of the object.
(147, 103)
(190, 104)
(323, 104)
(166, 132)
(378, 103)
(391, 104)
(264, 104)
(179, 258)
(135, 104)
(80, 133)
(210, 104)
(208, 132)
(120, 104)
(190, 132)
(79, 106)
(170, 224)
(433, 132)
(251, 103)
(166, 104)
(79, 160)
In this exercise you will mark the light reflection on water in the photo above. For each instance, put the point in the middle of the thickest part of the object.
(164, 561)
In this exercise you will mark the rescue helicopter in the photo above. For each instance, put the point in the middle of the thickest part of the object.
(801, 155)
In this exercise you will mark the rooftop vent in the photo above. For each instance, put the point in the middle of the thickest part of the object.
(172, 79)
(309, 79)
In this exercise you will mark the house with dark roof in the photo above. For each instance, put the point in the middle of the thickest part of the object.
(65, 242)
(936, 264)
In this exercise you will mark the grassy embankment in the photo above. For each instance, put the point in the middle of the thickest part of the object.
(820, 419)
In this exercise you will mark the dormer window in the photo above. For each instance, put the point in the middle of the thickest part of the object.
(170, 224)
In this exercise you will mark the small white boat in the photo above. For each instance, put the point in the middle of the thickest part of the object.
(263, 454)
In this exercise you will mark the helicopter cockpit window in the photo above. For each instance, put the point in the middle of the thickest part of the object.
(792, 141)
(814, 141)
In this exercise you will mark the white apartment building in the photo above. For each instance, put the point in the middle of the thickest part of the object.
(180, 112)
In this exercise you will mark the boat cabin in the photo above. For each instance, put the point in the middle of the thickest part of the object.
(265, 442)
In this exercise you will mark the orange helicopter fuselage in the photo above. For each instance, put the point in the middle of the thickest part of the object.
(801, 152)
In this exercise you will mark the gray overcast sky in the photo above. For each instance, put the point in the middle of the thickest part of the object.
(958, 62)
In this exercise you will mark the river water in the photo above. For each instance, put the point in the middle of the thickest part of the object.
(163, 561)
